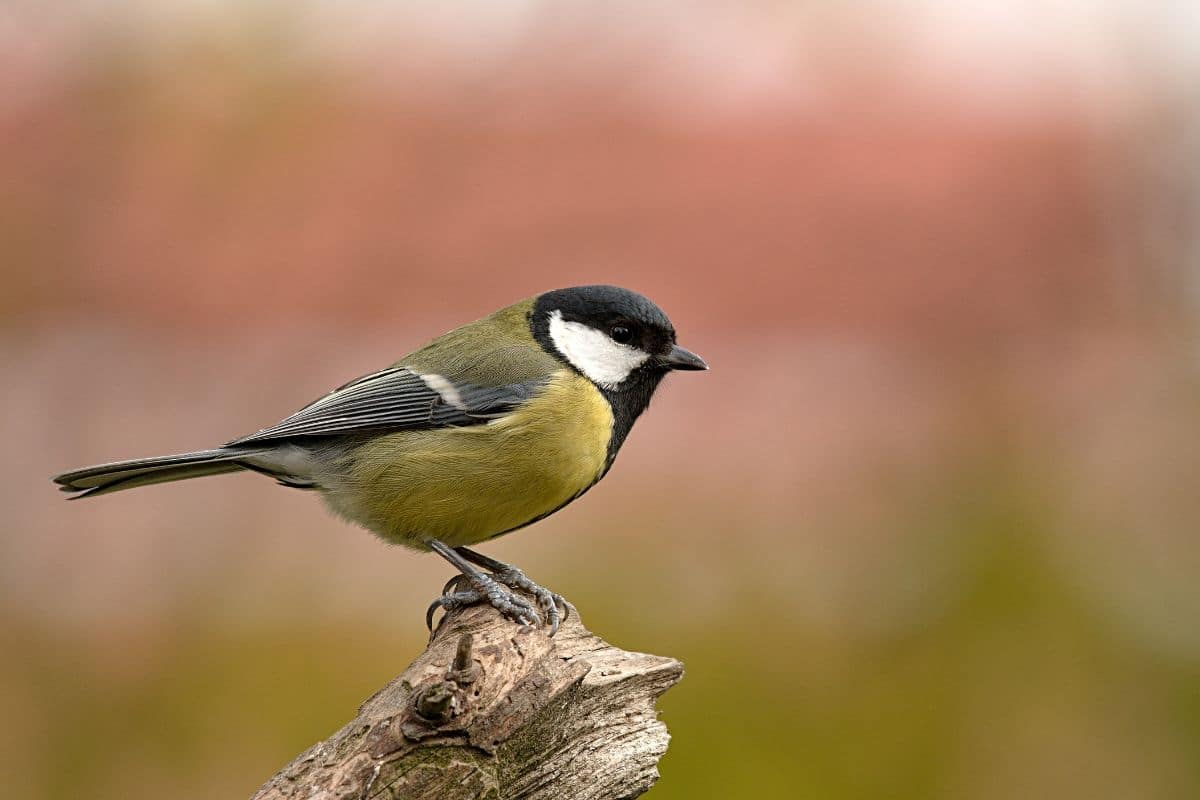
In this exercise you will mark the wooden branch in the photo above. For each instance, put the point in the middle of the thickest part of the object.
(492, 710)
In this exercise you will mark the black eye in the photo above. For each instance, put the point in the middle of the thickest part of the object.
(621, 335)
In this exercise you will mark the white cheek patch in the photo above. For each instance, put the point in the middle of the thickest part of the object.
(593, 353)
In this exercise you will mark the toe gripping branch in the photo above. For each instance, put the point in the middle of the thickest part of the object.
(496, 587)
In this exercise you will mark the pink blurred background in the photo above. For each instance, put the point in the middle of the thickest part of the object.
(932, 517)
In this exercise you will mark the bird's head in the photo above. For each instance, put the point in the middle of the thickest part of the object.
(616, 338)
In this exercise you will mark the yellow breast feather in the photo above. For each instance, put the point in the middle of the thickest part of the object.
(465, 485)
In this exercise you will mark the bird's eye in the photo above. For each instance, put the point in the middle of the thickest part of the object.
(621, 335)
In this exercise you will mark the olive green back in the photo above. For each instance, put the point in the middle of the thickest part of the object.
(494, 351)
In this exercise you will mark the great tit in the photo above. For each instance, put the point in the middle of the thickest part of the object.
(484, 430)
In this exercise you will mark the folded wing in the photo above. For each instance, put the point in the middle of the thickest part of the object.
(397, 398)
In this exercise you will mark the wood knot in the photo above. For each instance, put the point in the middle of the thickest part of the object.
(435, 702)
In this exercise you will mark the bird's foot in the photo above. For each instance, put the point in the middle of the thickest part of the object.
(461, 591)
(469, 590)
(549, 602)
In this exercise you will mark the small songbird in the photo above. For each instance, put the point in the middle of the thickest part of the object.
(484, 430)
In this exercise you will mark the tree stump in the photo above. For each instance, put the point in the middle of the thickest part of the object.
(492, 710)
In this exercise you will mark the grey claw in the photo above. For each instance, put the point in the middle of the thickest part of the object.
(450, 602)
(455, 584)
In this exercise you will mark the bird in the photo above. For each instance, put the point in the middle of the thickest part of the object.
(482, 431)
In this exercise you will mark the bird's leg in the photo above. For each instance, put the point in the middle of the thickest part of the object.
(550, 602)
(482, 588)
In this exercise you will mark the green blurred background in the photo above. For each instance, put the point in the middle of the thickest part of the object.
(928, 527)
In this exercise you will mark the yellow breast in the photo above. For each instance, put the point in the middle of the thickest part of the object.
(464, 485)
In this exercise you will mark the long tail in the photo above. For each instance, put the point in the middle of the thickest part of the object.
(105, 478)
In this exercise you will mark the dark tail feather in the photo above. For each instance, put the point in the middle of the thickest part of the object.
(105, 478)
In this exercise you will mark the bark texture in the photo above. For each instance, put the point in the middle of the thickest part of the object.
(491, 710)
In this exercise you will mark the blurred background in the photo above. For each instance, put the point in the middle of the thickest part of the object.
(934, 509)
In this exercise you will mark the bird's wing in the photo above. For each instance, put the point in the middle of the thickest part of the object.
(397, 398)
